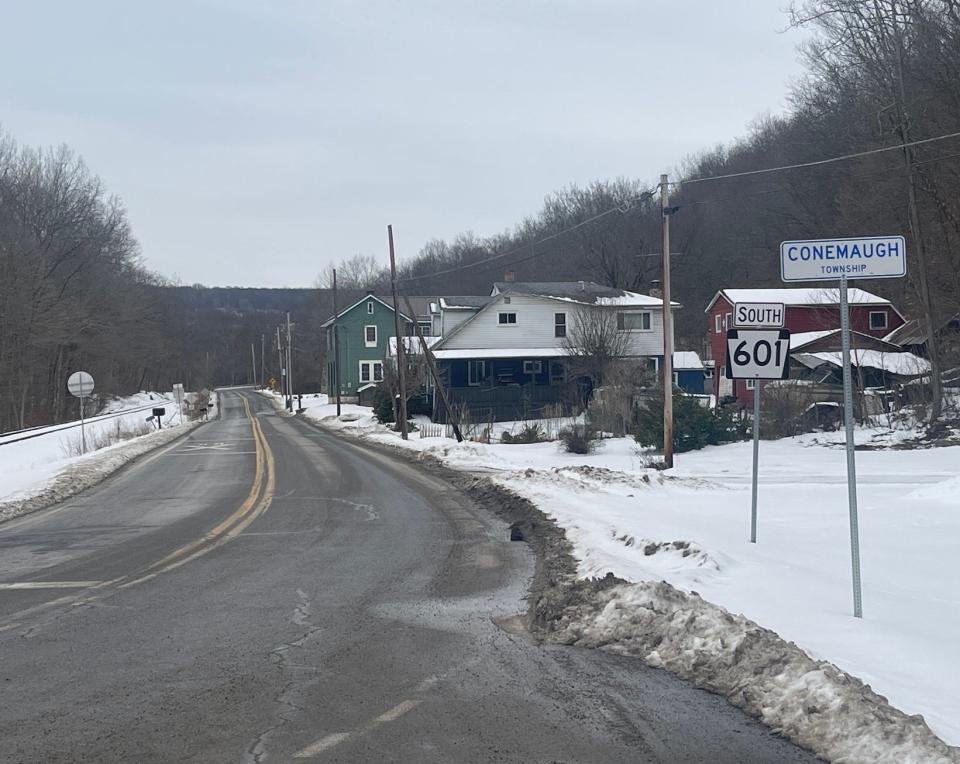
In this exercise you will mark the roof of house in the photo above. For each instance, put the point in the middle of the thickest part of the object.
(466, 353)
(410, 345)
(806, 297)
(421, 305)
(857, 339)
(903, 364)
(913, 331)
(686, 360)
(464, 301)
(584, 292)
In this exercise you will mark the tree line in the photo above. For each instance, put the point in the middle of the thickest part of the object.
(879, 74)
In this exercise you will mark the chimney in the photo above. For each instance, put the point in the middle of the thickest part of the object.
(509, 276)
(583, 286)
(370, 294)
(655, 290)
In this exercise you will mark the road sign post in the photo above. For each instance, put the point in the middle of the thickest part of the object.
(867, 257)
(758, 354)
(80, 385)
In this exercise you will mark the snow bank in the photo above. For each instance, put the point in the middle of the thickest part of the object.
(80, 473)
(690, 527)
(811, 702)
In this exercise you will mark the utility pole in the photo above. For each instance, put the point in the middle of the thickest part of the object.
(401, 350)
(336, 342)
(437, 382)
(281, 369)
(665, 213)
(263, 342)
(289, 365)
(253, 362)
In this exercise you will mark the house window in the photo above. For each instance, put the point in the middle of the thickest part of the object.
(751, 384)
(559, 324)
(727, 321)
(371, 371)
(558, 373)
(718, 323)
(370, 307)
(476, 372)
(634, 322)
(507, 319)
(426, 327)
(532, 367)
(370, 336)
(506, 300)
(878, 319)
(676, 379)
(708, 373)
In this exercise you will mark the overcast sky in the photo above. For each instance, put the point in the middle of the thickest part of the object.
(253, 142)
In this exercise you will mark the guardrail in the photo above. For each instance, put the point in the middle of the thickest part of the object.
(30, 432)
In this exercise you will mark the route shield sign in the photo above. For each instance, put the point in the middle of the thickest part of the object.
(758, 353)
(867, 257)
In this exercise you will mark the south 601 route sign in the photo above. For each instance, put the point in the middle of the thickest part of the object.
(758, 353)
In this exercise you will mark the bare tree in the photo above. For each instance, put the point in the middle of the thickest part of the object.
(594, 344)
(356, 272)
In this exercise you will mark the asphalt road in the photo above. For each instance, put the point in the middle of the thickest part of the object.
(263, 591)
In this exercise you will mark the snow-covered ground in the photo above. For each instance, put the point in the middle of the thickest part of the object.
(690, 527)
(30, 468)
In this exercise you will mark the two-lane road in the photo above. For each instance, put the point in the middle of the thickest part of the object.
(262, 591)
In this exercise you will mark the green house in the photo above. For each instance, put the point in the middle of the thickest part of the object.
(364, 330)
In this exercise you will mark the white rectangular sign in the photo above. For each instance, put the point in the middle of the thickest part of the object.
(866, 257)
(758, 353)
(758, 314)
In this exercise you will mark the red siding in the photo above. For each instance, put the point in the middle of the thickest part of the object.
(797, 319)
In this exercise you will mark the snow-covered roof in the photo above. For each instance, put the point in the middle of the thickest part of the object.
(686, 360)
(455, 354)
(800, 339)
(464, 302)
(809, 297)
(904, 364)
(582, 292)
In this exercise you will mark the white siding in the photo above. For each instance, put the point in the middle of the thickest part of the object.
(535, 324)
(451, 319)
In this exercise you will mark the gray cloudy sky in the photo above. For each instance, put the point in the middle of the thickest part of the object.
(253, 142)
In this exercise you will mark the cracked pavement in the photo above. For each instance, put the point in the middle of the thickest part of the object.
(354, 619)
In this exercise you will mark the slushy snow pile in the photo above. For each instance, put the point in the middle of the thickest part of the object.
(690, 528)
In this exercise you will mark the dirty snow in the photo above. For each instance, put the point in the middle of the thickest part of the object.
(690, 527)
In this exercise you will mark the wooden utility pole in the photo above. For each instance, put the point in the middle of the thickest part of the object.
(336, 342)
(401, 354)
(253, 363)
(667, 324)
(289, 364)
(281, 370)
(263, 360)
(437, 384)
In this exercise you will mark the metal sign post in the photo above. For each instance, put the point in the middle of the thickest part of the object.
(866, 257)
(80, 385)
(758, 354)
(851, 454)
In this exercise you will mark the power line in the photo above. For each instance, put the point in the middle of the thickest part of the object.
(830, 160)
(623, 208)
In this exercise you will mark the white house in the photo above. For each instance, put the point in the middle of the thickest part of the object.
(504, 356)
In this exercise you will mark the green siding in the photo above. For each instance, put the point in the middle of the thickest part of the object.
(353, 349)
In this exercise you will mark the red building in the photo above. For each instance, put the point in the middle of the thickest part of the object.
(806, 310)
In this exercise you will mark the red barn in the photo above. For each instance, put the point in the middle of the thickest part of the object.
(807, 310)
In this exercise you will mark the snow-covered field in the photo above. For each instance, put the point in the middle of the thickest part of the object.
(690, 527)
(30, 468)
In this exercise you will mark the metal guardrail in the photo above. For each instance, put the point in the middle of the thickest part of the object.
(29, 432)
